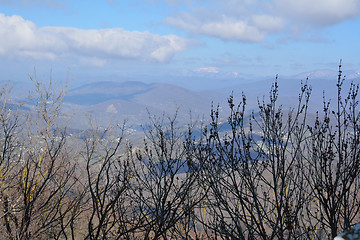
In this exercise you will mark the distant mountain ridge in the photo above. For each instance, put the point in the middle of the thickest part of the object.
(98, 92)
(134, 101)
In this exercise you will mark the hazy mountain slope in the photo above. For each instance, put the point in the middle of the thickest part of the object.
(168, 97)
(289, 88)
(134, 101)
(95, 93)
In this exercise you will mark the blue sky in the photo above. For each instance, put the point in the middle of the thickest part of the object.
(173, 41)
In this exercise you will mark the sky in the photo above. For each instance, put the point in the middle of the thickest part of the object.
(174, 41)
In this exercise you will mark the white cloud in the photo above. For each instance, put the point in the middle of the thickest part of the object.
(319, 12)
(225, 29)
(255, 20)
(267, 23)
(232, 29)
(247, 29)
(24, 38)
(207, 69)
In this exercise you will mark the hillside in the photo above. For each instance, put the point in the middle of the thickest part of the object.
(134, 101)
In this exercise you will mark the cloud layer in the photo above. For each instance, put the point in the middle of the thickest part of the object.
(229, 28)
(319, 12)
(255, 20)
(24, 38)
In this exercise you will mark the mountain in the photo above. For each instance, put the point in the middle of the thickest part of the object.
(97, 92)
(322, 83)
(135, 101)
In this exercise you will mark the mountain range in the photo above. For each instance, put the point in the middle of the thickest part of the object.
(135, 101)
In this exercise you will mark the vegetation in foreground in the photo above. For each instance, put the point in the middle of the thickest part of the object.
(274, 175)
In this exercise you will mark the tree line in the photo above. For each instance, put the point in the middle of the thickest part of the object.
(275, 174)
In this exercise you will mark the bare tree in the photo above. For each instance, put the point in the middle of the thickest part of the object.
(165, 188)
(10, 155)
(254, 171)
(333, 163)
(110, 214)
(36, 194)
